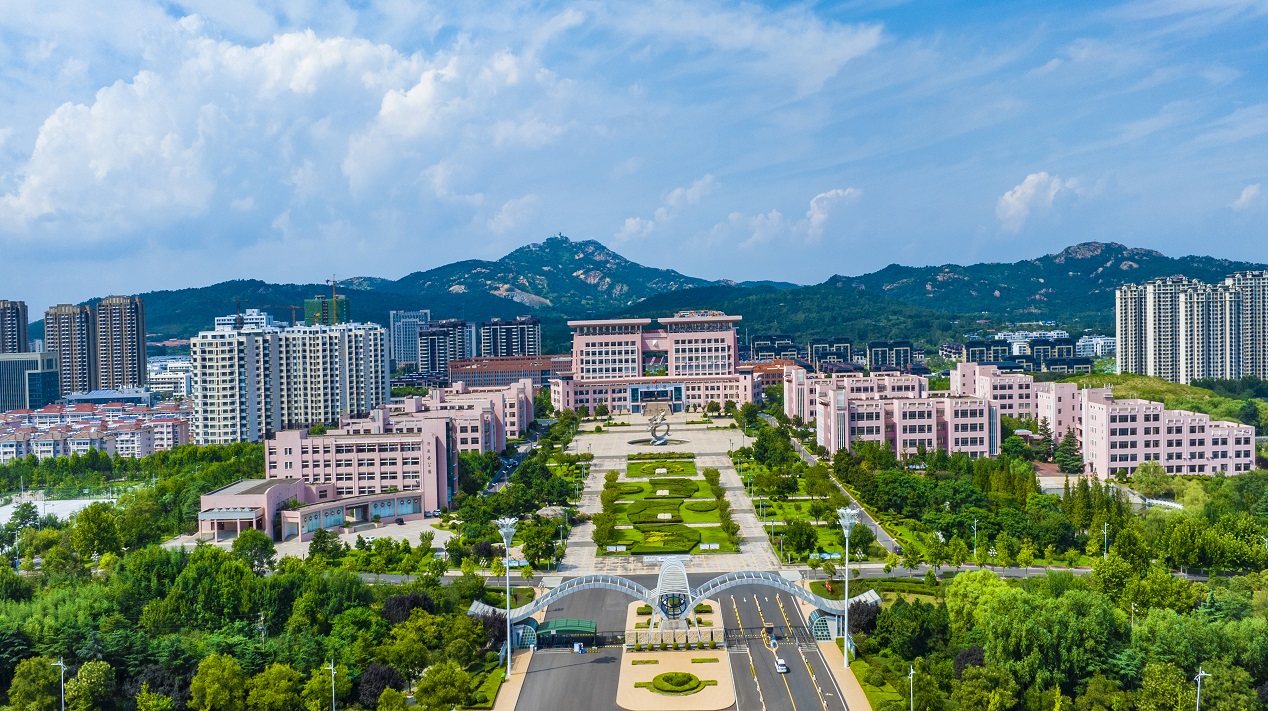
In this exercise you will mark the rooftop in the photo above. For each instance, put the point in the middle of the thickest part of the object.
(247, 487)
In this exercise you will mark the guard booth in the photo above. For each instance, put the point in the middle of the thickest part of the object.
(565, 633)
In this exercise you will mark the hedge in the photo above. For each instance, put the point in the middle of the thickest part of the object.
(664, 539)
(648, 456)
(677, 488)
(676, 683)
(702, 506)
(648, 469)
(648, 511)
(631, 489)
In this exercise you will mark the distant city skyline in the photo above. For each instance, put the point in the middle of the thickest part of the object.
(150, 145)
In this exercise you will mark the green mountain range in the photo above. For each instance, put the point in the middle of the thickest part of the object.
(559, 279)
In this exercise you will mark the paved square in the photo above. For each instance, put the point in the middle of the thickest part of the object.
(711, 445)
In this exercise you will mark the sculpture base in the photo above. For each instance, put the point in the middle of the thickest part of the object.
(648, 442)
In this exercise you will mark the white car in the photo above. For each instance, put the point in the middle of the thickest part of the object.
(780, 665)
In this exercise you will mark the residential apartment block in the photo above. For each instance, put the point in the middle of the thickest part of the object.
(120, 344)
(404, 327)
(1181, 329)
(13, 327)
(441, 343)
(70, 331)
(521, 336)
(620, 363)
(112, 428)
(253, 382)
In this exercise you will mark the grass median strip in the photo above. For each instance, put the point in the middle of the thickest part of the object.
(637, 662)
(704, 660)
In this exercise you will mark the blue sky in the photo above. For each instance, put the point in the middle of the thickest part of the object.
(160, 145)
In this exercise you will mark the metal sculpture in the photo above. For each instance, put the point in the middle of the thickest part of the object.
(654, 424)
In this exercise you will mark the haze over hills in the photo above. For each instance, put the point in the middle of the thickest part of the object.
(560, 279)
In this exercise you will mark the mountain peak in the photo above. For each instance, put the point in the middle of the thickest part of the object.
(1088, 250)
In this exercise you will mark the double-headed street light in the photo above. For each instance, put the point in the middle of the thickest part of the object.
(847, 517)
(506, 527)
(1201, 675)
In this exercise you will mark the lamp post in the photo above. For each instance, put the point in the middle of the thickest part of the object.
(506, 526)
(974, 540)
(1198, 679)
(62, 664)
(847, 517)
(1105, 539)
(911, 687)
(331, 667)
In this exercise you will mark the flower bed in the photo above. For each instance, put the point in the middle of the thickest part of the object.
(665, 539)
(675, 683)
(676, 488)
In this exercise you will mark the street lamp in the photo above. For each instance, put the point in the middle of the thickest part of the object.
(331, 667)
(1198, 679)
(911, 686)
(974, 540)
(506, 526)
(1105, 537)
(847, 517)
(62, 663)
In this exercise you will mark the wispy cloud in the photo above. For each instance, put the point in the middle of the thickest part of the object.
(1250, 197)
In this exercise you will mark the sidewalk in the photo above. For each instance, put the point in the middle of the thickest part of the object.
(509, 694)
(851, 690)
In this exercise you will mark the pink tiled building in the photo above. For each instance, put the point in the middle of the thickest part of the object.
(622, 364)
(1013, 393)
(802, 388)
(1118, 435)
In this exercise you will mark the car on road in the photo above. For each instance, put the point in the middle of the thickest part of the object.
(780, 665)
(369, 539)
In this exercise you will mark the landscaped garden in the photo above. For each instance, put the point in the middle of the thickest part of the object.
(675, 683)
(647, 518)
(660, 468)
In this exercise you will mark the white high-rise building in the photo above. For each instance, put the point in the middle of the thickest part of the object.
(404, 327)
(1182, 330)
(1254, 289)
(252, 382)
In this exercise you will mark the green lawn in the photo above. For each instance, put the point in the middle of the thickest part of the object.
(715, 535)
(876, 696)
(677, 467)
(674, 486)
(647, 510)
(631, 537)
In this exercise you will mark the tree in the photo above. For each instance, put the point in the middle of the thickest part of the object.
(1165, 687)
(861, 538)
(1016, 448)
(147, 700)
(325, 545)
(376, 679)
(444, 686)
(1043, 439)
(36, 685)
(218, 685)
(957, 551)
(601, 410)
(1026, 555)
(1069, 455)
(1151, 479)
(95, 531)
(800, 536)
(392, 700)
(830, 569)
(256, 549)
(526, 572)
(92, 688)
(274, 689)
(712, 407)
(986, 688)
(316, 694)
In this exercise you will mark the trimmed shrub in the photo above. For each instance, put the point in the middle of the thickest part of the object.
(643, 610)
(676, 682)
(649, 511)
(677, 488)
(702, 506)
(631, 489)
(703, 609)
(664, 539)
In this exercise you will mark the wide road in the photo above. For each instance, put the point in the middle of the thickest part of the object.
(559, 679)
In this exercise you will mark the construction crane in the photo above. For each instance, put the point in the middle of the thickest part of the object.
(333, 281)
(292, 307)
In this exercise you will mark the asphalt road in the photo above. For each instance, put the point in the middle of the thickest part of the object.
(561, 680)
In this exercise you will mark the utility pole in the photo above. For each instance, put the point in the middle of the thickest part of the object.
(975, 540)
(62, 664)
(261, 627)
(1198, 679)
(1105, 538)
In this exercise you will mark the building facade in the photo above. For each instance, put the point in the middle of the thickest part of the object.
(1120, 434)
(70, 331)
(521, 336)
(13, 327)
(404, 327)
(440, 344)
(889, 354)
(627, 367)
(322, 310)
(253, 318)
(28, 381)
(120, 343)
(499, 372)
(250, 383)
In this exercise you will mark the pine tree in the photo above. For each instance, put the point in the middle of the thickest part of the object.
(1044, 441)
(1069, 456)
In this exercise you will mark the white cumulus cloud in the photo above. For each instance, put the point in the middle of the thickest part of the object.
(675, 200)
(513, 213)
(1036, 192)
(821, 206)
(1249, 198)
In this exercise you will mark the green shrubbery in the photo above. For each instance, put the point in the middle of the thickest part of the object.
(677, 488)
(646, 456)
(680, 683)
(665, 539)
(649, 511)
(648, 469)
(701, 506)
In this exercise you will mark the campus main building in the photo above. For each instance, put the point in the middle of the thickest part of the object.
(621, 363)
